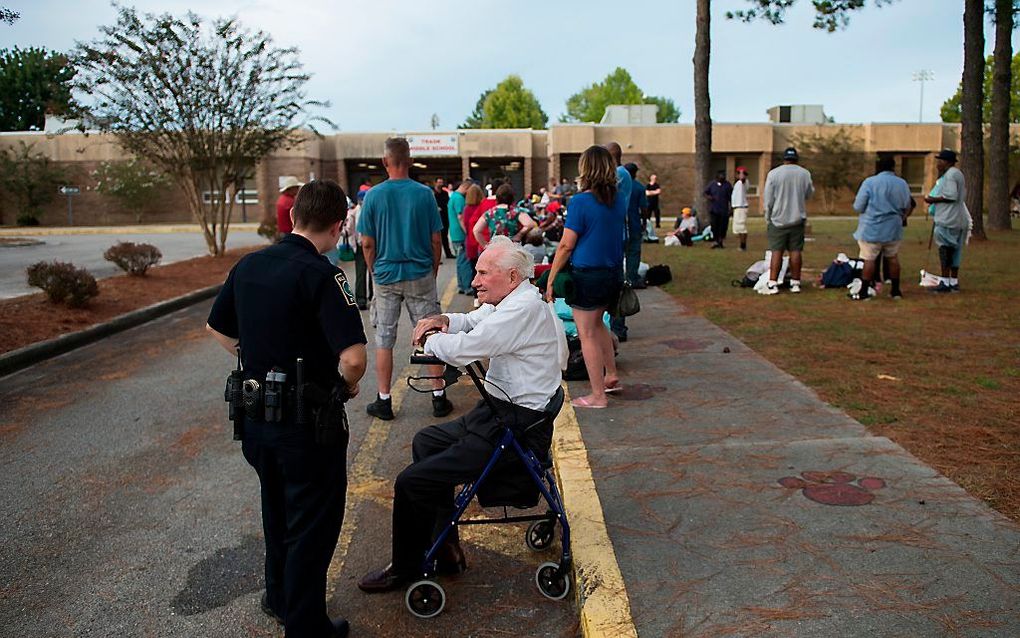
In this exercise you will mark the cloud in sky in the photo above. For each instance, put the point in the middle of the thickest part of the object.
(389, 64)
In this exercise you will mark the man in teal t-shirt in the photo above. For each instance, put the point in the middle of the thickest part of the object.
(455, 210)
(401, 237)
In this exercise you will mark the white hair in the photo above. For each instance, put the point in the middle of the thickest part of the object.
(512, 256)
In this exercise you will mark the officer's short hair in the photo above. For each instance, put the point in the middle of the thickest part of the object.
(319, 204)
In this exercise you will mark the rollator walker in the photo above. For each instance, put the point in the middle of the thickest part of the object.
(425, 597)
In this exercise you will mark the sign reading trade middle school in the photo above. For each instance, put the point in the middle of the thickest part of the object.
(432, 145)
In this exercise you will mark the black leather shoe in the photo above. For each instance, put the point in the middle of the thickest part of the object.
(341, 628)
(451, 559)
(441, 406)
(381, 408)
(267, 610)
(382, 580)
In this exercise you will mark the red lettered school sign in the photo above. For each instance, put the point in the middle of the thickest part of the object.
(432, 145)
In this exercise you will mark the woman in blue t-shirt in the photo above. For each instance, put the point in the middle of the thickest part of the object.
(593, 244)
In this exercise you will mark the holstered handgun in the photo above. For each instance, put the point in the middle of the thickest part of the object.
(331, 425)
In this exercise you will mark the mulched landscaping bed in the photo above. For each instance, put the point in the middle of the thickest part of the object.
(31, 318)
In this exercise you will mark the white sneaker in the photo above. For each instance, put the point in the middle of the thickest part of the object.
(771, 288)
(794, 286)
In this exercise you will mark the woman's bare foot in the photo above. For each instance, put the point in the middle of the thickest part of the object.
(589, 401)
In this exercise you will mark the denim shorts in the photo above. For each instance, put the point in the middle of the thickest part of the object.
(595, 288)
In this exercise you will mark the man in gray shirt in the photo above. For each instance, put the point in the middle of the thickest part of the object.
(952, 219)
(787, 187)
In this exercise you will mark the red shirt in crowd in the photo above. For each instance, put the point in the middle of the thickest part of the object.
(283, 206)
(471, 215)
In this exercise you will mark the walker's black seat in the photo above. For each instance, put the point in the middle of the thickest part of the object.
(510, 485)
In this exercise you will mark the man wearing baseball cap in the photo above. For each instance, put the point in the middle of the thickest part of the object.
(787, 187)
(289, 186)
(952, 219)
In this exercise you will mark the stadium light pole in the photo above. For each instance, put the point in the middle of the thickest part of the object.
(922, 76)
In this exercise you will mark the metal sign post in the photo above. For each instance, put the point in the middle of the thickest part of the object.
(70, 191)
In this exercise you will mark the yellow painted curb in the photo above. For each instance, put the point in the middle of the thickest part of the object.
(599, 587)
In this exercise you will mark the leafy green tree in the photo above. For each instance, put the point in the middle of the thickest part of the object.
(132, 184)
(952, 108)
(202, 100)
(32, 82)
(30, 179)
(478, 115)
(589, 104)
(511, 105)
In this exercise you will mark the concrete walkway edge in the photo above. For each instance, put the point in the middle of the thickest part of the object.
(599, 588)
(21, 358)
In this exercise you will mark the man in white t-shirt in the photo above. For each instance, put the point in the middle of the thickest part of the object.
(738, 200)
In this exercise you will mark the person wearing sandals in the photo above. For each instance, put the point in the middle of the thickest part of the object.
(592, 246)
(502, 219)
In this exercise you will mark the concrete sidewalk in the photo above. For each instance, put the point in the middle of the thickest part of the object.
(740, 504)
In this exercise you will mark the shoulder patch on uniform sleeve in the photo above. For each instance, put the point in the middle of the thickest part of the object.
(345, 288)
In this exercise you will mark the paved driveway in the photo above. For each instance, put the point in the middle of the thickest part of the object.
(87, 251)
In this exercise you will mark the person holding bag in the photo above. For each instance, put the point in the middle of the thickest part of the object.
(592, 249)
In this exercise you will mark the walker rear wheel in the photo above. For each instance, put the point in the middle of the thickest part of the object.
(425, 599)
(551, 582)
(539, 535)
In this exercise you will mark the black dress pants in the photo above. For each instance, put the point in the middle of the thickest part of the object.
(445, 456)
(719, 225)
(304, 490)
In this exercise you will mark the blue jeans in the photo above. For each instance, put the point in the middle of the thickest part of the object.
(465, 273)
(632, 252)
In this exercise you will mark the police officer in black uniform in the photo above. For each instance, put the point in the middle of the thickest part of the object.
(278, 305)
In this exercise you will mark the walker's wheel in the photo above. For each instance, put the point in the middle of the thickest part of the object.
(425, 599)
(551, 582)
(539, 535)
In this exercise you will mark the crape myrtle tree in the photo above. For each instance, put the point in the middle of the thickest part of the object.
(201, 100)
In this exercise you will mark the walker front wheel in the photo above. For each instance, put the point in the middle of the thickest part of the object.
(425, 599)
(552, 582)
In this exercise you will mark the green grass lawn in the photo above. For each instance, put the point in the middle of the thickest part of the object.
(955, 359)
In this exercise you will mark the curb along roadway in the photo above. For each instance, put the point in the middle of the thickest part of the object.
(21, 358)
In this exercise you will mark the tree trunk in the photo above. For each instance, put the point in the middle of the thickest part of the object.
(998, 145)
(702, 109)
(972, 160)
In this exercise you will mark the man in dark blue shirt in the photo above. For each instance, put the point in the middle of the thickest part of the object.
(719, 193)
(277, 305)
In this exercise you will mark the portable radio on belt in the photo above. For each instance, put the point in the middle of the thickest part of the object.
(232, 394)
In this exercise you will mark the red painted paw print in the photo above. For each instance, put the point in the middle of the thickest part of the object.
(835, 488)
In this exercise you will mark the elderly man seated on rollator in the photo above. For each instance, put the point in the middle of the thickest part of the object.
(520, 336)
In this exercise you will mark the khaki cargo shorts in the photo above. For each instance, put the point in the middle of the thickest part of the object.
(419, 295)
(870, 250)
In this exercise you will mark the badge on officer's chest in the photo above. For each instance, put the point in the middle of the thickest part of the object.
(345, 288)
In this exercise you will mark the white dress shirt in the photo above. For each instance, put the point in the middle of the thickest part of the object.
(521, 336)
